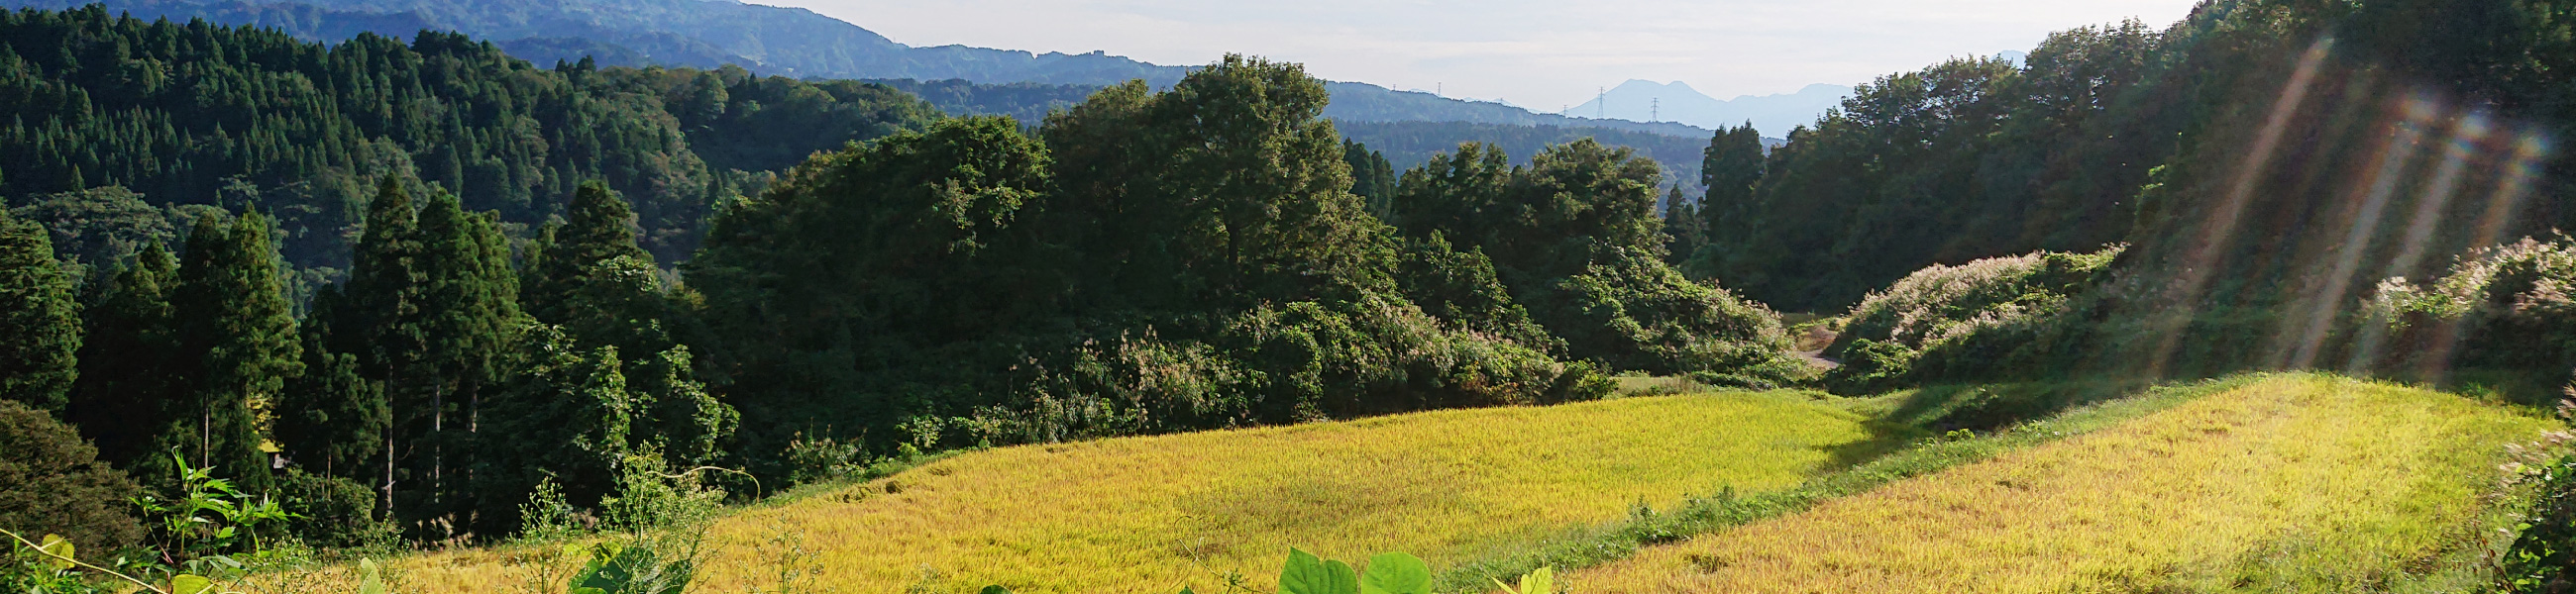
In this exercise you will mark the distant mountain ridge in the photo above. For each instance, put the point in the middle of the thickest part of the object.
(773, 40)
(1774, 115)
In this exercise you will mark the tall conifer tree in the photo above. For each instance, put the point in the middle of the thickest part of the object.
(1684, 229)
(598, 226)
(377, 320)
(379, 313)
(468, 308)
(333, 418)
(119, 401)
(40, 330)
(237, 345)
(1732, 164)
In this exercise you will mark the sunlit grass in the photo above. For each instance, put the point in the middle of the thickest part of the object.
(2293, 483)
(1153, 514)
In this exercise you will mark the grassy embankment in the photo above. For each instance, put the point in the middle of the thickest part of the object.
(1153, 514)
(2289, 483)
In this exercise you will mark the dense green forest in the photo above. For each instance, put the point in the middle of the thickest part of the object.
(411, 287)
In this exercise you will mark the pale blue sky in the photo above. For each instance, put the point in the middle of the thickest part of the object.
(1538, 54)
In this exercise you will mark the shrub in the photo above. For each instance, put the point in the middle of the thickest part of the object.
(2508, 307)
(52, 483)
(1951, 321)
(2541, 559)
(1281, 363)
(1870, 367)
(330, 511)
(1633, 312)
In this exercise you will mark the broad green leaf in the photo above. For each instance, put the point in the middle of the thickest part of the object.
(1396, 573)
(370, 579)
(1344, 579)
(1541, 581)
(59, 549)
(588, 591)
(995, 589)
(1306, 574)
(188, 583)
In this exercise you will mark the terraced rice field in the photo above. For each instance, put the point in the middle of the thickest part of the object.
(1154, 514)
(2294, 483)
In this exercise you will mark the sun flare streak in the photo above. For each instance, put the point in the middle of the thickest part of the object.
(2405, 141)
(2502, 205)
(2202, 257)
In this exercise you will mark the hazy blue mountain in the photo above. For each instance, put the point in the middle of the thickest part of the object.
(1774, 115)
(772, 40)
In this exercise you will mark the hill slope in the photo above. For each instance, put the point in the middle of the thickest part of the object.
(2297, 483)
(1152, 514)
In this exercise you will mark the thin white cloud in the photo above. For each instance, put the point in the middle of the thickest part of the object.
(1532, 53)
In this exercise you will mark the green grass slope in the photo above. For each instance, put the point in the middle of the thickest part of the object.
(2286, 483)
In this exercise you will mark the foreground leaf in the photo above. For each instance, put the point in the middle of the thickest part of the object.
(370, 579)
(1306, 574)
(60, 551)
(1396, 573)
(188, 583)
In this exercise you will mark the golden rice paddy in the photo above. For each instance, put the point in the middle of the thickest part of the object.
(2294, 483)
(1154, 514)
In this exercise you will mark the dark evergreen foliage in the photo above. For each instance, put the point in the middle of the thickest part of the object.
(332, 419)
(234, 347)
(40, 326)
(597, 227)
(120, 402)
(1372, 177)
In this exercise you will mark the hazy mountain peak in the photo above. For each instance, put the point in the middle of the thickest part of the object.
(1774, 115)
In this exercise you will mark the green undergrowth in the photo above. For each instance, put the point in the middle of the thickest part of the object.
(1923, 431)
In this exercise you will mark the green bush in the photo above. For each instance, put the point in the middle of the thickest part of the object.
(1871, 367)
(52, 483)
(330, 511)
(2543, 558)
(2511, 307)
(1633, 312)
(1973, 320)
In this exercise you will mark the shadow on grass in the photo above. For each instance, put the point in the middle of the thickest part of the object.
(1931, 412)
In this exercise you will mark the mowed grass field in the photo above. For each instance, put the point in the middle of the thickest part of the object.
(1154, 514)
(2291, 483)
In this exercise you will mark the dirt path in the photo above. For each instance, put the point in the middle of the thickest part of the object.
(1811, 347)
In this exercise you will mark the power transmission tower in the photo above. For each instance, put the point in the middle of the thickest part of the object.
(1655, 110)
(1601, 104)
